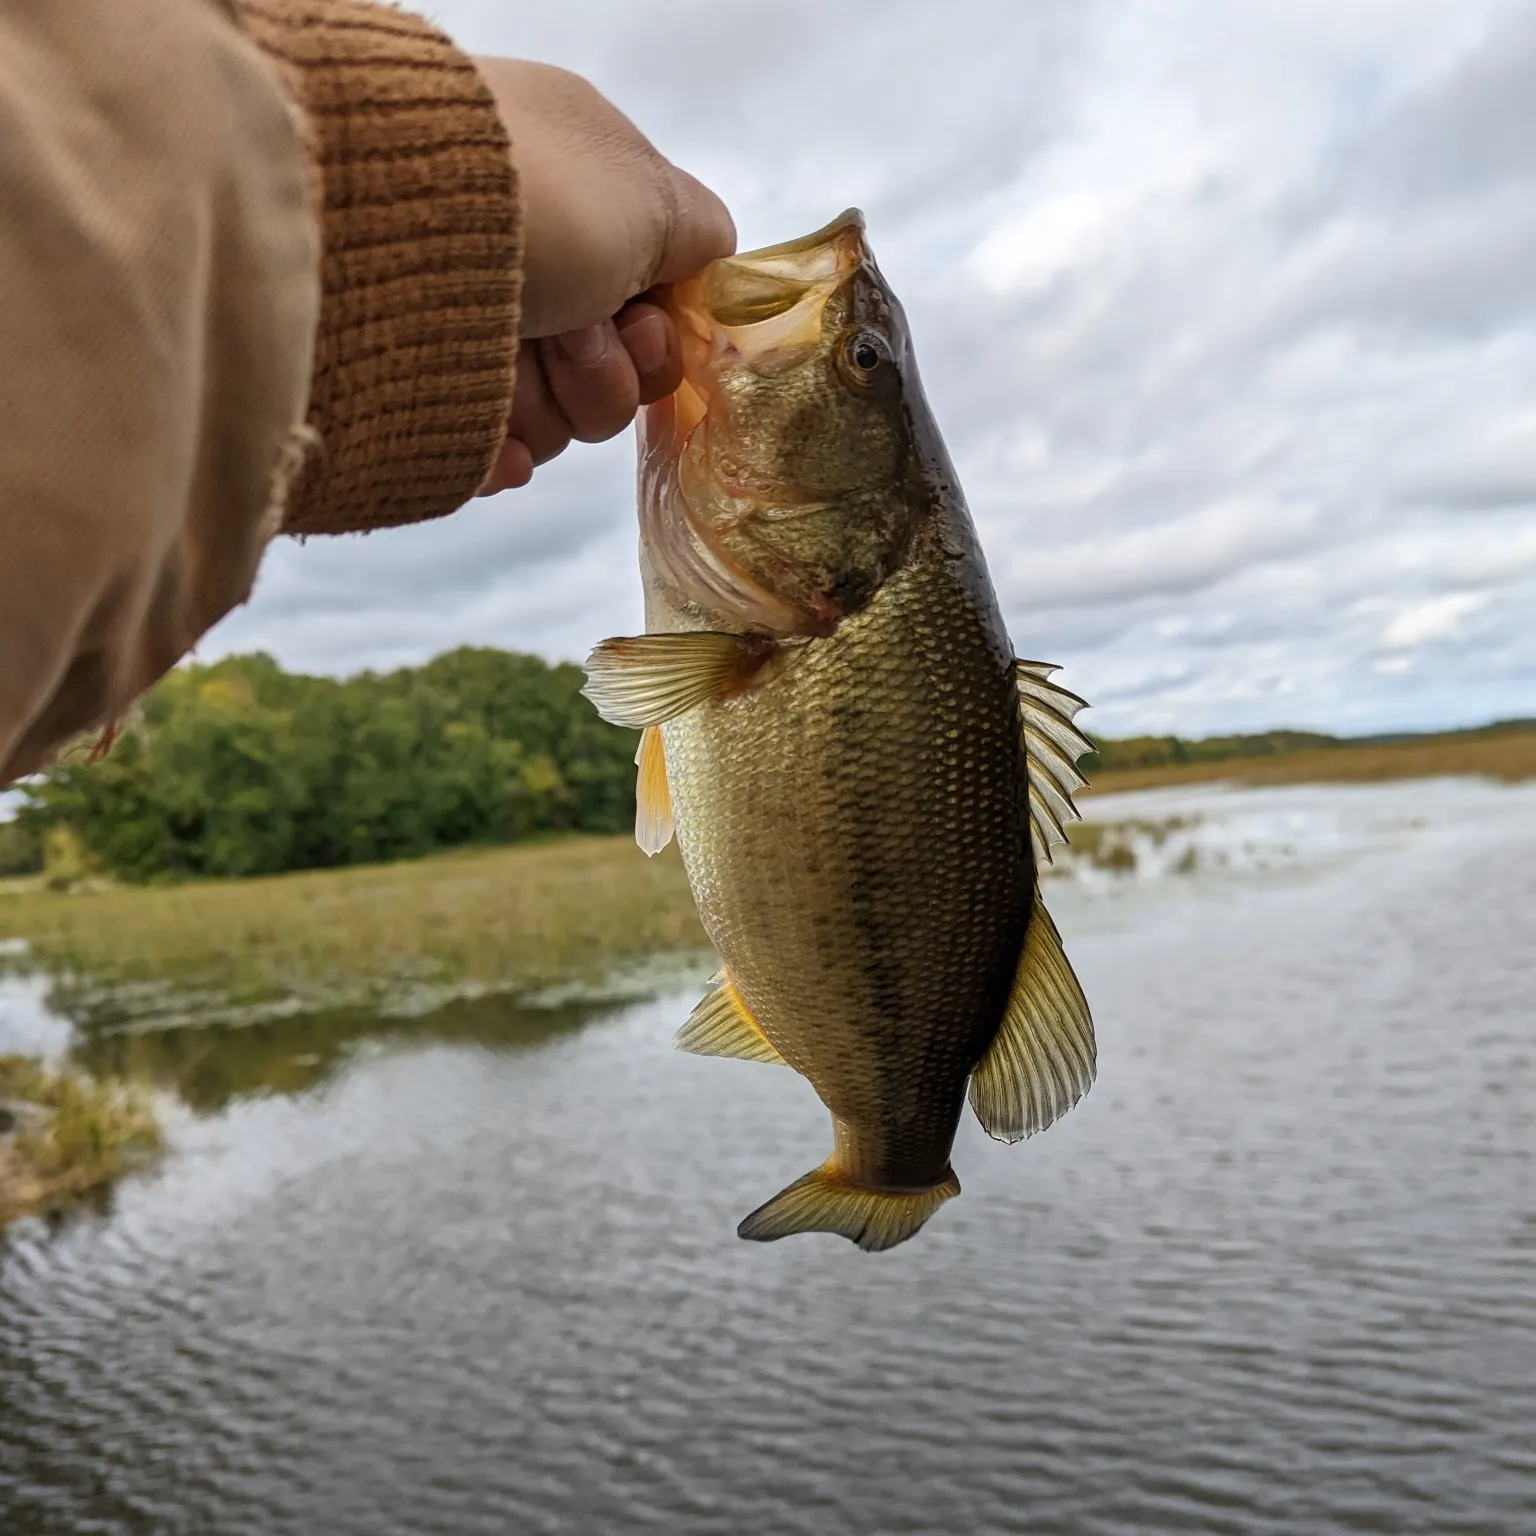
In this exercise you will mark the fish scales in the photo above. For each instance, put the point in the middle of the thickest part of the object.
(856, 838)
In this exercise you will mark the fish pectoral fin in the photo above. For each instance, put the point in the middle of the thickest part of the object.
(823, 1201)
(1043, 1058)
(1052, 746)
(722, 1025)
(653, 800)
(646, 679)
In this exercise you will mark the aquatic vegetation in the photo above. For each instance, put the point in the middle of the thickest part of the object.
(66, 1137)
(1119, 847)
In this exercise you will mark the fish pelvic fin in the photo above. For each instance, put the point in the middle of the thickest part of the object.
(824, 1201)
(653, 799)
(722, 1025)
(646, 679)
(1052, 746)
(1043, 1058)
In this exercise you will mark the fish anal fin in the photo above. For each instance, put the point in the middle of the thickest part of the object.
(1043, 1058)
(646, 679)
(824, 1201)
(653, 799)
(722, 1025)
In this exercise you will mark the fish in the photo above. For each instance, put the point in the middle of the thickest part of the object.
(864, 780)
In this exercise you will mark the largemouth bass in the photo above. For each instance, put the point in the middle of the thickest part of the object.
(862, 777)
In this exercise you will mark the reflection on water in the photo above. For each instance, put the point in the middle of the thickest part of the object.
(206, 1066)
(477, 1273)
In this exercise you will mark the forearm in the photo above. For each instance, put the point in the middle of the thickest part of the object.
(227, 258)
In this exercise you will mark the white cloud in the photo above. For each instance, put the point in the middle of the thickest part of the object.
(1440, 618)
(1226, 313)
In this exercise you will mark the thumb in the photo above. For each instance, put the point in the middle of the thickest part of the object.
(696, 231)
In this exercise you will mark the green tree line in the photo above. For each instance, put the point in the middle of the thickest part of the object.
(241, 768)
(1159, 751)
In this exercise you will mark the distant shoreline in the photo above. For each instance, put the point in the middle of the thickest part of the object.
(1507, 753)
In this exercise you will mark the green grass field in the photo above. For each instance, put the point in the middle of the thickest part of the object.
(517, 918)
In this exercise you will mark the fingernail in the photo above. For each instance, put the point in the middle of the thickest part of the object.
(586, 346)
(646, 342)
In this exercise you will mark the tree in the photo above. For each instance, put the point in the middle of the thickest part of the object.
(240, 768)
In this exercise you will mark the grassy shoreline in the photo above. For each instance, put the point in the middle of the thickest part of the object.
(516, 919)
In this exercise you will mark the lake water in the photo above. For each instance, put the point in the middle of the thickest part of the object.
(478, 1273)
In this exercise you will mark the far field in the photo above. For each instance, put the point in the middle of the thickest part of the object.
(1507, 753)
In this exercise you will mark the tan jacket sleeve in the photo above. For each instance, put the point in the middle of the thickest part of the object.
(422, 262)
(254, 273)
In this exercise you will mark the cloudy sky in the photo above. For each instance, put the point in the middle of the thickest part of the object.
(1227, 309)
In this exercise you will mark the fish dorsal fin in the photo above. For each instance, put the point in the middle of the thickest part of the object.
(1043, 1058)
(1052, 745)
(824, 1201)
(653, 800)
(645, 679)
(722, 1025)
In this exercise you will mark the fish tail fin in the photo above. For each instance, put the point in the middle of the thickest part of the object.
(825, 1201)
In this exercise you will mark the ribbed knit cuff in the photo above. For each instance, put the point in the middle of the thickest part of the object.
(421, 265)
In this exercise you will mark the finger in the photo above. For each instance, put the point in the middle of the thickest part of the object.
(650, 337)
(697, 230)
(536, 419)
(592, 381)
(512, 470)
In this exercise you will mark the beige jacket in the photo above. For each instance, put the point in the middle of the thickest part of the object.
(259, 270)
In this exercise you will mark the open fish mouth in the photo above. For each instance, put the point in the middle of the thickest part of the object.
(761, 303)
(762, 285)
(764, 309)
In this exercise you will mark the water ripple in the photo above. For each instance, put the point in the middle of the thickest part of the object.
(1273, 1276)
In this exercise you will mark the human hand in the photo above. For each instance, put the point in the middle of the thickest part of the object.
(605, 219)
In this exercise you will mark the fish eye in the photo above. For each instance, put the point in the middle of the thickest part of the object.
(864, 353)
